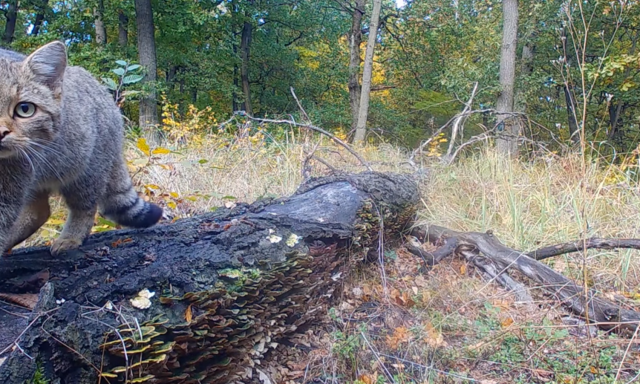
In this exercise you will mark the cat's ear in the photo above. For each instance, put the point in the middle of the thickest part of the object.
(48, 63)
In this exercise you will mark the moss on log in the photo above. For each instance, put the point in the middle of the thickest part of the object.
(227, 286)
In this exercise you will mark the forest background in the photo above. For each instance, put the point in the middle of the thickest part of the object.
(216, 96)
(570, 65)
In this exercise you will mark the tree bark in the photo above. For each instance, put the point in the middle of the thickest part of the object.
(508, 128)
(245, 49)
(355, 39)
(11, 16)
(229, 286)
(617, 106)
(101, 31)
(363, 111)
(148, 118)
(123, 29)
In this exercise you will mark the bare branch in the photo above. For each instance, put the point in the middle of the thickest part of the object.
(581, 245)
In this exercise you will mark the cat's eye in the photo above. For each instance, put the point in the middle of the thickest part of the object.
(25, 110)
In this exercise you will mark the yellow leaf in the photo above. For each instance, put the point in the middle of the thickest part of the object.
(463, 269)
(188, 315)
(152, 186)
(174, 195)
(172, 205)
(160, 151)
(506, 322)
(143, 146)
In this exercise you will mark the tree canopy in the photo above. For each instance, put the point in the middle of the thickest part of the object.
(576, 62)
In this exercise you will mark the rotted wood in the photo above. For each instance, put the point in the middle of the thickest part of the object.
(222, 289)
(491, 252)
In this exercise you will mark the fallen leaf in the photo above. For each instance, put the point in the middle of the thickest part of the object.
(27, 300)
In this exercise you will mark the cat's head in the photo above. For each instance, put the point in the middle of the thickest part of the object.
(31, 99)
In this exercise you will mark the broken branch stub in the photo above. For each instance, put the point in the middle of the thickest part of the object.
(224, 288)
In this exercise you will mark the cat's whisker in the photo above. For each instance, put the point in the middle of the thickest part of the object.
(26, 156)
(46, 146)
(42, 159)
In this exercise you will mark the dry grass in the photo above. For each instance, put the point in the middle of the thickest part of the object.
(447, 325)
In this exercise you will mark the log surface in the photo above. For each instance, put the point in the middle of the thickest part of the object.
(228, 286)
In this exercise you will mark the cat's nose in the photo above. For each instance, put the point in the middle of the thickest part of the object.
(4, 131)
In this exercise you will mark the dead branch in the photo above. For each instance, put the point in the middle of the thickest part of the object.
(583, 303)
(581, 245)
(457, 123)
(346, 146)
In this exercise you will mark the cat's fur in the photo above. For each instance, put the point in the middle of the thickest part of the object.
(72, 144)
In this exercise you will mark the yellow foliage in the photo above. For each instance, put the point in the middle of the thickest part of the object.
(193, 125)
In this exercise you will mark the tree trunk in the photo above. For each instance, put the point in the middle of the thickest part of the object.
(148, 119)
(235, 98)
(245, 48)
(355, 39)
(37, 24)
(230, 286)
(508, 128)
(617, 107)
(574, 132)
(11, 16)
(123, 29)
(101, 31)
(363, 111)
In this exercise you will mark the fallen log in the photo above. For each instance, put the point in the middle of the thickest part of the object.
(487, 252)
(201, 300)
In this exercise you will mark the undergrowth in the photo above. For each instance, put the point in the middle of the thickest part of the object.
(447, 325)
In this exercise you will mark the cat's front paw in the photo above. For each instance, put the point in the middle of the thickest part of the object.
(62, 245)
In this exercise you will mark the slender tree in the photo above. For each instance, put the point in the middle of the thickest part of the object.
(245, 50)
(148, 118)
(123, 29)
(101, 30)
(363, 112)
(11, 16)
(508, 127)
(41, 7)
(355, 39)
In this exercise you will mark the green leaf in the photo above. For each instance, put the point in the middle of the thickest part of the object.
(132, 79)
(133, 67)
(121, 62)
(110, 83)
(118, 71)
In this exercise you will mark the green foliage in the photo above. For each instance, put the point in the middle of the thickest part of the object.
(38, 377)
(430, 53)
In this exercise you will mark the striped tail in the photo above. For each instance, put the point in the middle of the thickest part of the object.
(122, 204)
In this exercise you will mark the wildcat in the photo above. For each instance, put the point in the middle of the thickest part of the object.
(61, 131)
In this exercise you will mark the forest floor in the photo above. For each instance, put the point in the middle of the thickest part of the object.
(447, 325)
